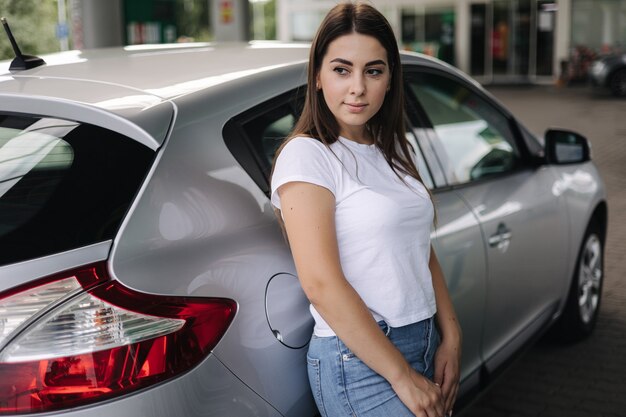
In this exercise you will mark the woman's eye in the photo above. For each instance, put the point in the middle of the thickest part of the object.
(340, 71)
(374, 71)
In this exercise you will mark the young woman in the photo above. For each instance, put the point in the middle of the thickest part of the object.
(358, 221)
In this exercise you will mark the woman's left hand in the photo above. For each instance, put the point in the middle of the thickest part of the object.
(447, 374)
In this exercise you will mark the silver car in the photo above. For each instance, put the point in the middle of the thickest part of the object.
(142, 269)
(609, 73)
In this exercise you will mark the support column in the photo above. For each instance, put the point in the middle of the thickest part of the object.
(462, 34)
(230, 20)
(96, 23)
(607, 26)
(563, 34)
(283, 32)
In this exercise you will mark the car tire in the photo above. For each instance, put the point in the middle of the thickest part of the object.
(617, 83)
(583, 301)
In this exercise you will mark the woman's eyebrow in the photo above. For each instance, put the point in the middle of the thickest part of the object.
(342, 61)
(367, 64)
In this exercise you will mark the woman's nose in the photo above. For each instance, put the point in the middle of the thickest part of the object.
(357, 87)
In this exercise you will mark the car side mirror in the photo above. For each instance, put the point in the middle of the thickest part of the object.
(565, 147)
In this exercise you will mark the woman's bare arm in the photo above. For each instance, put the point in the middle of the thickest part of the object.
(448, 357)
(309, 214)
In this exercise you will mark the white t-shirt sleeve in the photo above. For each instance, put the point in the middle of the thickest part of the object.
(306, 160)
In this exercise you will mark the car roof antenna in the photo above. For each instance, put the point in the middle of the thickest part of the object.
(21, 61)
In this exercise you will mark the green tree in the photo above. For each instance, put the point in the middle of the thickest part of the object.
(265, 26)
(270, 19)
(33, 23)
(192, 19)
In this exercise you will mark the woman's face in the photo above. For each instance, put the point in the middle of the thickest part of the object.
(354, 78)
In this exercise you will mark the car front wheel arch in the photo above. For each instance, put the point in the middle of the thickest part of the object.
(584, 297)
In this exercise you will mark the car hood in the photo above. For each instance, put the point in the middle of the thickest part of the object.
(609, 59)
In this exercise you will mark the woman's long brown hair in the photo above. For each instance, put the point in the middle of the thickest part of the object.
(388, 124)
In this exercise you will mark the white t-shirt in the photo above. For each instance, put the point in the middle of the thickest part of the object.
(383, 225)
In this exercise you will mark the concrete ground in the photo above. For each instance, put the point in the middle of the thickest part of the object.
(587, 379)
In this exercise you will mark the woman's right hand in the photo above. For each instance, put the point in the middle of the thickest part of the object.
(420, 395)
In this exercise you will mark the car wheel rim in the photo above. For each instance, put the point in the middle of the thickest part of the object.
(590, 278)
(619, 84)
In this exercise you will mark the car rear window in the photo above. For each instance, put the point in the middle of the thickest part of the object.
(63, 184)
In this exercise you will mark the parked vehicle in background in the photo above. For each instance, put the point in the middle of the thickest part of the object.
(143, 271)
(575, 69)
(609, 72)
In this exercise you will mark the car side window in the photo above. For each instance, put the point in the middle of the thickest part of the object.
(254, 136)
(422, 168)
(268, 130)
(475, 137)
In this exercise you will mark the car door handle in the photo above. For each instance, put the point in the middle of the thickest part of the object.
(501, 238)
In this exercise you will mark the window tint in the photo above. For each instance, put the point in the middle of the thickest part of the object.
(474, 137)
(422, 168)
(254, 136)
(63, 184)
(268, 131)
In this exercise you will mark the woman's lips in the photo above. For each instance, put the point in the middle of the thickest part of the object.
(355, 107)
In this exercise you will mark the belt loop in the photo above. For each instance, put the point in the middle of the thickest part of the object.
(388, 328)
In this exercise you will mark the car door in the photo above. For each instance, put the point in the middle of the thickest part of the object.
(522, 223)
(457, 241)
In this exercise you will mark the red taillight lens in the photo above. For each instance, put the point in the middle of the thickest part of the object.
(83, 347)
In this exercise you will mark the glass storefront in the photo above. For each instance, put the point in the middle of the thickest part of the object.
(429, 31)
(512, 40)
(166, 21)
(497, 40)
(546, 37)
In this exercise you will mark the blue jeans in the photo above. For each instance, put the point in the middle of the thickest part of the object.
(343, 386)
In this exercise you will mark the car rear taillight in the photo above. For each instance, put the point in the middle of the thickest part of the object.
(80, 337)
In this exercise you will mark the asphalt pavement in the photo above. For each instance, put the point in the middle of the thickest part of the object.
(586, 379)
